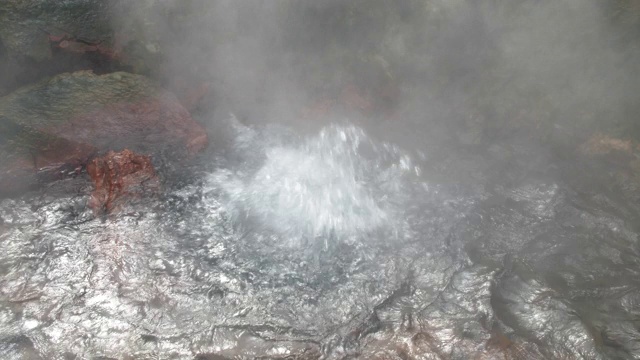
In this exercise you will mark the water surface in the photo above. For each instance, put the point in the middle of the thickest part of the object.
(334, 245)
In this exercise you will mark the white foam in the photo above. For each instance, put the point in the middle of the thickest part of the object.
(338, 183)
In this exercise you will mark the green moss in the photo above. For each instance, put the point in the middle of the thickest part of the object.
(58, 99)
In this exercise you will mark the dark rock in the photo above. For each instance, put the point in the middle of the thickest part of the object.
(24, 24)
(119, 177)
(25, 152)
(62, 122)
(40, 38)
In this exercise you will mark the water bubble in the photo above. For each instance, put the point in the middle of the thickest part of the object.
(321, 187)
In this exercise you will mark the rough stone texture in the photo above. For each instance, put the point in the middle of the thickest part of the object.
(118, 177)
(25, 151)
(24, 24)
(40, 38)
(63, 121)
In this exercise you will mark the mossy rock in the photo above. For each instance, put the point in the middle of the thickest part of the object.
(63, 121)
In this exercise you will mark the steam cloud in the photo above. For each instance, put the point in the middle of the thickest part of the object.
(468, 70)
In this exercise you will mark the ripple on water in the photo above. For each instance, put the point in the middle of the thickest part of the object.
(236, 267)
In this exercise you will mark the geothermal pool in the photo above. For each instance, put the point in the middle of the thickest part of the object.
(327, 244)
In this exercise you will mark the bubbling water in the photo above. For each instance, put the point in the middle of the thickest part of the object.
(338, 184)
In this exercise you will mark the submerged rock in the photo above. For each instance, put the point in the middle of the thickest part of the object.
(119, 176)
(63, 121)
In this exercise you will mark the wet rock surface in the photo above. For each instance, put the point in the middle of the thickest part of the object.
(333, 245)
(217, 269)
(61, 122)
(25, 24)
(44, 38)
(118, 177)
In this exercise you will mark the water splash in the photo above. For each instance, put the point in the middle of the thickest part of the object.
(337, 184)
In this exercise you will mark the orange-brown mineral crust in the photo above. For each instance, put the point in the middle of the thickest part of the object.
(118, 177)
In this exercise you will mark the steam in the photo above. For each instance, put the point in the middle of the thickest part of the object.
(468, 71)
(338, 184)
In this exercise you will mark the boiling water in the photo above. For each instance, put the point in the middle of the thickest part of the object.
(330, 245)
(338, 184)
